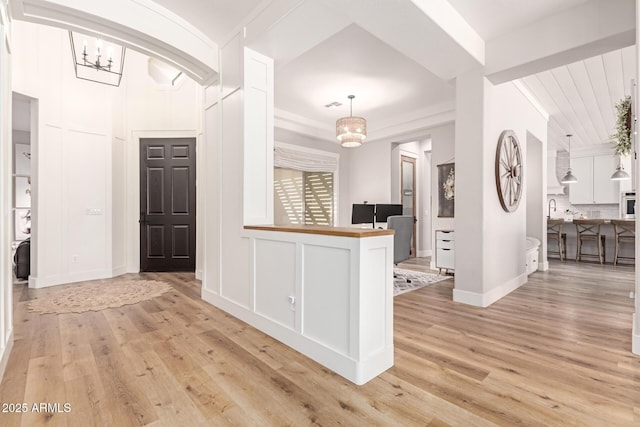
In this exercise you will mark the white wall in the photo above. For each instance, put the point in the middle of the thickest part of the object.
(490, 243)
(71, 161)
(369, 173)
(86, 158)
(535, 190)
(6, 219)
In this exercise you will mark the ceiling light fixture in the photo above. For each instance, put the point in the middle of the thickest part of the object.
(95, 60)
(620, 174)
(351, 131)
(569, 178)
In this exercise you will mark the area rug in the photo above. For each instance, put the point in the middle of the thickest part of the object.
(406, 280)
(96, 296)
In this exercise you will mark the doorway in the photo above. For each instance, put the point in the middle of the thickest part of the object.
(167, 204)
(408, 194)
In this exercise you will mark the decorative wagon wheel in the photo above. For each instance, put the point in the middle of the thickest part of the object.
(509, 171)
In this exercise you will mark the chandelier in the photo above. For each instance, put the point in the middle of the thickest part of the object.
(351, 131)
(96, 60)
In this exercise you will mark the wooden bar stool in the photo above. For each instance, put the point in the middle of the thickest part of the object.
(588, 230)
(554, 231)
(625, 231)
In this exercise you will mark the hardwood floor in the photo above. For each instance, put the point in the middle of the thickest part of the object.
(555, 352)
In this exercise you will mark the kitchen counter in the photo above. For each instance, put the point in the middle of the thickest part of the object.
(626, 250)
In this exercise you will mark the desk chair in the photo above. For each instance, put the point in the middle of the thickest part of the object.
(403, 227)
(588, 230)
(554, 231)
(625, 232)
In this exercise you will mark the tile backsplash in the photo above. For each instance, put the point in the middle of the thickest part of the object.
(563, 205)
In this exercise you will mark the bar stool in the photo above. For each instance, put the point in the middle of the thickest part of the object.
(554, 231)
(588, 230)
(625, 231)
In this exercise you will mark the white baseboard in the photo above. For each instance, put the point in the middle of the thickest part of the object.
(199, 274)
(424, 254)
(119, 271)
(6, 352)
(44, 282)
(488, 298)
(543, 266)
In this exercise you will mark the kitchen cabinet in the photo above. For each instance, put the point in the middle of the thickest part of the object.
(594, 184)
(445, 250)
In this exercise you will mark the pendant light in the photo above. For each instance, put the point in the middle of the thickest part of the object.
(620, 174)
(569, 178)
(351, 131)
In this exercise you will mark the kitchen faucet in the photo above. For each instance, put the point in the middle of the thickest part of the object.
(554, 208)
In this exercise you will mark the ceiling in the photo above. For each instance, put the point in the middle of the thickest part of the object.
(389, 86)
(580, 97)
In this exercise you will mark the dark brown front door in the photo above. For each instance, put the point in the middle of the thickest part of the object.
(167, 204)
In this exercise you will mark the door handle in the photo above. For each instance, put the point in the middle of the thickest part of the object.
(143, 218)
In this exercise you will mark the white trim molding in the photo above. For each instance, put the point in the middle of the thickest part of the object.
(486, 299)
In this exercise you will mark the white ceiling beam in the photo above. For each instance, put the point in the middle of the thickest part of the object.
(590, 29)
(138, 24)
(430, 32)
(451, 22)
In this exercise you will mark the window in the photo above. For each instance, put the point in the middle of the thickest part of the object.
(303, 197)
(305, 185)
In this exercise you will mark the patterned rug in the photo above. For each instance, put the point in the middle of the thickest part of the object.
(96, 296)
(407, 280)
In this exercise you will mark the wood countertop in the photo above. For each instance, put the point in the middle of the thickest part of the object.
(323, 230)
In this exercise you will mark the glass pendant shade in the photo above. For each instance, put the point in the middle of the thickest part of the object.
(620, 174)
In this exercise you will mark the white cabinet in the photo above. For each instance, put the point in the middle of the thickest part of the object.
(604, 189)
(594, 184)
(445, 249)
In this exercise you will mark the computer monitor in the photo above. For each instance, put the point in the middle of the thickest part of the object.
(362, 214)
(383, 211)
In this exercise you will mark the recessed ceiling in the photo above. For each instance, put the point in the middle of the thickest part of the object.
(579, 97)
(386, 84)
(493, 18)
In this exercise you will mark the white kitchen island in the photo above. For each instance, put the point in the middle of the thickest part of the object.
(327, 292)
(626, 250)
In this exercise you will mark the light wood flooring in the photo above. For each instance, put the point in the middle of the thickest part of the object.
(555, 352)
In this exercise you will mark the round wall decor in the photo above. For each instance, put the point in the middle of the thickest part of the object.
(509, 173)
